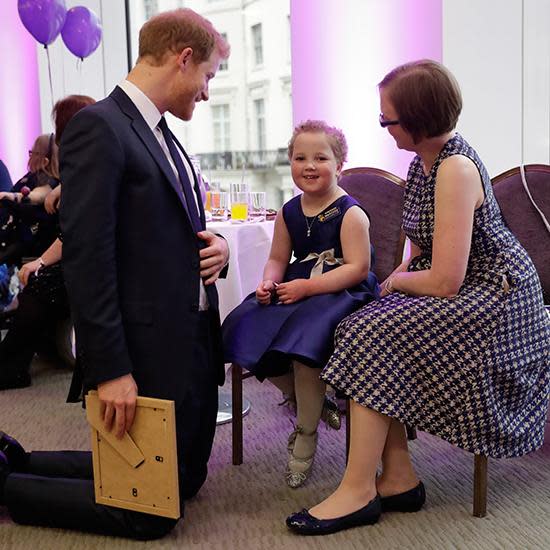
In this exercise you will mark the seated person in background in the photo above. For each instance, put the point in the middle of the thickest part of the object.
(5, 178)
(459, 343)
(43, 301)
(25, 228)
(43, 174)
(286, 329)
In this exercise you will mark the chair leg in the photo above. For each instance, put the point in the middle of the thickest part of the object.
(480, 486)
(411, 432)
(348, 427)
(237, 413)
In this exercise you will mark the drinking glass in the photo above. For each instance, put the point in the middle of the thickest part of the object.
(239, 202)
(256, 206)
(218, 205)
(239, 206)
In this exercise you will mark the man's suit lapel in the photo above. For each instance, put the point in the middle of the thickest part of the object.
(143, 131)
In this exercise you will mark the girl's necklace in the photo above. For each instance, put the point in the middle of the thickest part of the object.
(309, 225)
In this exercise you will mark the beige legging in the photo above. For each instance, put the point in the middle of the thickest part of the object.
(308, 389)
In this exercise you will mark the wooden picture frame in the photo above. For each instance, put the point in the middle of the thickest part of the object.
(140, 471)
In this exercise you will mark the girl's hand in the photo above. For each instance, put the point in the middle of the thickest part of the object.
(293, 291)
(263, 292)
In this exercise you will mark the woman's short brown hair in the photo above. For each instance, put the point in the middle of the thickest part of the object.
(45, 146)
(173, 31)
(65, 109)
(426, 97)
(335, 136)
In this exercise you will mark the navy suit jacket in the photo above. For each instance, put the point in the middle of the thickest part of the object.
(130, 255)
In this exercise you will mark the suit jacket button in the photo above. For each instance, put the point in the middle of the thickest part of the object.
(195, 264)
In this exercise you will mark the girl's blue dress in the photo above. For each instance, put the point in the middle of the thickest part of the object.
(264, 339)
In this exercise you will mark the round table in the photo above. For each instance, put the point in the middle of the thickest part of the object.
(249, 246)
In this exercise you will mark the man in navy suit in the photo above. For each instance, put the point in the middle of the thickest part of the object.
(140, 271)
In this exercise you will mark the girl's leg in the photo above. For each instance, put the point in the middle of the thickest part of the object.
(302, 443)
(330, 413)
(369, 431)
(310, 396)
(285, 383)
(398, 474)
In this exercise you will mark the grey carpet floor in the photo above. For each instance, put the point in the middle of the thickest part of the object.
(244, 507)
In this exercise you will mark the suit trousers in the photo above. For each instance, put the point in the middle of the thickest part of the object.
(56, 489)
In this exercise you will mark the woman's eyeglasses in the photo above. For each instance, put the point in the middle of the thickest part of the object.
(385, 123)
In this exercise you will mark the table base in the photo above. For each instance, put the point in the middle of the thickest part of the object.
(225, 411)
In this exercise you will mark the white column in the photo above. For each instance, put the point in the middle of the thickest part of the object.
(341, 49)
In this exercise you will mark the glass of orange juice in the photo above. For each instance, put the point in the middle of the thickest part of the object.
(239, 202)
(218, 205)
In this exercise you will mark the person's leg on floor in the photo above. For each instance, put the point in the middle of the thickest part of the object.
(196, 415)
(19, 345)
(70, 504)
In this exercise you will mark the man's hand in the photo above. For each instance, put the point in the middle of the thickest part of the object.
(213, 257)
(51, 202)
(293, 291)
(118, 403)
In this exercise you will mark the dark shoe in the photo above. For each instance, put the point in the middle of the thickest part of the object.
(4, 473)
(409, 501)
(303, 523)
(13, 380)
(15, 455)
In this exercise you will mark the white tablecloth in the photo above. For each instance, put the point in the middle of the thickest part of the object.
(249, 246)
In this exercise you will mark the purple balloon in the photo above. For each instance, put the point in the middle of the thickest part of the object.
(81, 32)
(44, 19)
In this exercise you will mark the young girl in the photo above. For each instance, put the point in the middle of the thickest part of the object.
(285, 330)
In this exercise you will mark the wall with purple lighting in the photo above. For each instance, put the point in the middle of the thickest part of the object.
(19, 91)
(341, 49)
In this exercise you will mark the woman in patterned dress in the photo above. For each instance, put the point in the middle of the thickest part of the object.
(459, 344)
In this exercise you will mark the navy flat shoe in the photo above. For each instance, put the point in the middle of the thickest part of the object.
(303, 523)
(4, 473)
(409, 501)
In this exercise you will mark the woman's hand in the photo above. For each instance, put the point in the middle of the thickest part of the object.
(293, 291)
(263, 292)
(51, 202)
(386, 287)
(27, 270)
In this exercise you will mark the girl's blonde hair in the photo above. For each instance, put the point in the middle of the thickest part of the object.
(336, 138)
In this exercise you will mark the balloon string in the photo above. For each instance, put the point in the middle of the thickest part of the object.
(79, 71)
(49, 71)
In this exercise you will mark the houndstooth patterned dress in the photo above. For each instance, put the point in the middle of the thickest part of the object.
(473, 369)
